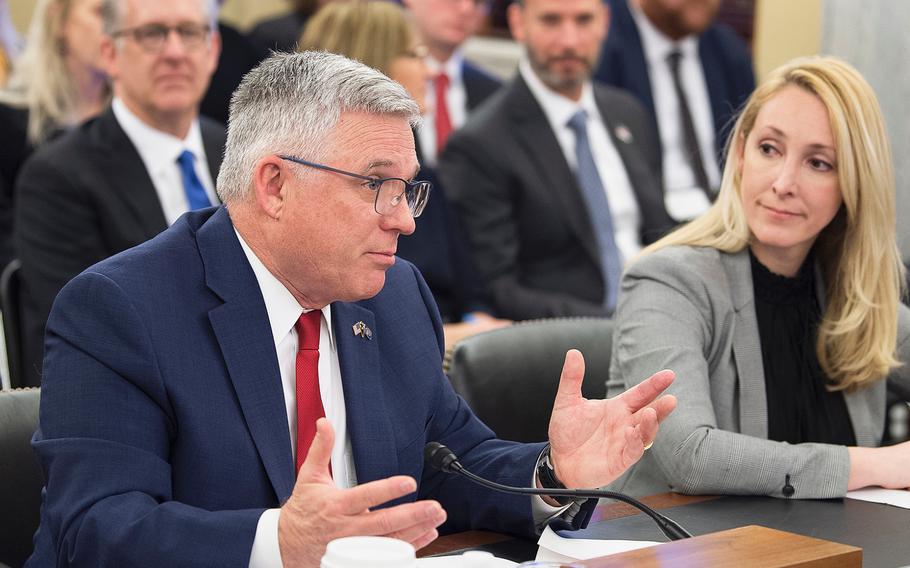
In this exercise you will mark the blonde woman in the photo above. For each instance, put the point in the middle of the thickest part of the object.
(778, 308)
(375, 33)
(56, 82)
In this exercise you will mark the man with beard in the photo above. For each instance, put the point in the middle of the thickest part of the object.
(555, 178)
(692, 74)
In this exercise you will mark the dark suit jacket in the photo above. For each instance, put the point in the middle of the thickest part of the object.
(438, 247)
(238, 56)
(281, 33)
(15, 149)
(163, 431)
(524, 213)
(83, 198)
(478, 84)
(725, 59)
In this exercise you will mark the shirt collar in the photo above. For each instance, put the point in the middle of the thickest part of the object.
(158, 150)
(280, 305)
(558, 108)
(657, 45)
(452, 67)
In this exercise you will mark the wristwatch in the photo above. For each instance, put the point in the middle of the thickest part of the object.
(548, 480)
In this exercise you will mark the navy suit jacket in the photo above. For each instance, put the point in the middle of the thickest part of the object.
(438, 246)
(725, 59)
(163, 433)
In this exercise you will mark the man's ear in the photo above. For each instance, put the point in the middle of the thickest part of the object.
(515, 16)
(270, 180)
(108, 57)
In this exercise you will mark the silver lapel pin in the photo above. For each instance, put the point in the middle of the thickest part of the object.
(623, 133)
(362, 330)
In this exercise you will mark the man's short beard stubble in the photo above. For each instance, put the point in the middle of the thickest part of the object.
(557, 81)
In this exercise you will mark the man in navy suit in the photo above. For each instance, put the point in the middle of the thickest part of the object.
(186, 379)
(646, 39)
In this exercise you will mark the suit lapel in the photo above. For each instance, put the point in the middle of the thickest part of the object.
(368, 422)
(533, 132)
(241, 326)
(753, 403)
(126, 174)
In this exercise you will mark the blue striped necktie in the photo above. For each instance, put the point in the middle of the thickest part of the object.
(195, 191)
(595, 197)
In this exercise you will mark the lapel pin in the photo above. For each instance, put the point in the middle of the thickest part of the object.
(623, 133)
(361, 330)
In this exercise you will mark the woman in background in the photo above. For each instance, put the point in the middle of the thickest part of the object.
(379, 35)
(57, 82)
(779, 308)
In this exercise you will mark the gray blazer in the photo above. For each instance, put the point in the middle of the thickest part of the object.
(691, 309)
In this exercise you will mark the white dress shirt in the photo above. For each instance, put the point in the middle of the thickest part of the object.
(456, 102)
(558, 110)
(682, 196)
(283, 311)
(159, 152)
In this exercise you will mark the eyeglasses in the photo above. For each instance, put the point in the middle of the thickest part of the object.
(389, 191)
(152, 37)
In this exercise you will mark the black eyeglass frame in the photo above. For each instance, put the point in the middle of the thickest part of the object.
(416, 193)
(205, 29)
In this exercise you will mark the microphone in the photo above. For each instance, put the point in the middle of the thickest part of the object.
(442, 458)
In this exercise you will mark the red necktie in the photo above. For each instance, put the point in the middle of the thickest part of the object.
(309, 401)
(443, 122)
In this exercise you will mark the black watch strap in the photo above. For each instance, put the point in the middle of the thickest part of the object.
(547, 476)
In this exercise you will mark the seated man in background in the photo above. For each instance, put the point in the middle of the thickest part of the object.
(554, 177)
(692, 75)
(245, 387)
(123, 177)
(379, 34)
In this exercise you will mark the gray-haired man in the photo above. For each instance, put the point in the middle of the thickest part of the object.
(123, 177)
(185, 377)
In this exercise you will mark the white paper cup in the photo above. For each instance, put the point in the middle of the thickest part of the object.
(368, 552)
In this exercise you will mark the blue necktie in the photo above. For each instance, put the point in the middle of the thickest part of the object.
(195, 191)
(595, 197)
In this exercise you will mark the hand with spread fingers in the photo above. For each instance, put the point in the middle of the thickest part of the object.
(592, 442)
(319, 512)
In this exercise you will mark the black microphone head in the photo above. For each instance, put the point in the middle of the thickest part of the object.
(441, 458)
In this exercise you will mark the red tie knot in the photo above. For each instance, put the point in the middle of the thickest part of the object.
(308, 330)
(442, 82)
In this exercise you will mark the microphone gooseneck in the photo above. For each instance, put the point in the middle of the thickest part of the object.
(442, 458)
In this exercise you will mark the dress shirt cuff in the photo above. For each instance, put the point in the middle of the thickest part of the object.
(266, 553)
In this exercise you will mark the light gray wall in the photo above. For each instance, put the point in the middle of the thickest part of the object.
(874, 36)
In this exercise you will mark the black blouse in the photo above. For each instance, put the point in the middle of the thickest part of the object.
(800, 408)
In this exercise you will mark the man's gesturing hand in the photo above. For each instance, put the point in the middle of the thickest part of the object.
(592, 442)
(319, 512)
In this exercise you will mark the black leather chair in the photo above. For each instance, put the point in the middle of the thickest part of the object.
(509, 376)
(12, 330)
(21, 479)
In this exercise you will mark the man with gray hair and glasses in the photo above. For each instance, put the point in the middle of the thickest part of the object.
(263, 376)
(122, 178)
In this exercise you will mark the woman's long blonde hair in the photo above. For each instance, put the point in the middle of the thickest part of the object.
(41, 81)
(857, 251)
(372, 32)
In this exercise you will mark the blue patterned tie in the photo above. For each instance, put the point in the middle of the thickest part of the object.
(595, 197)
(195, 191)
